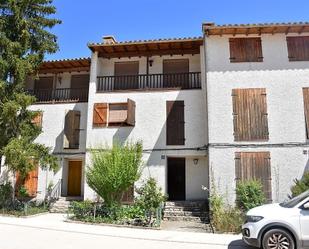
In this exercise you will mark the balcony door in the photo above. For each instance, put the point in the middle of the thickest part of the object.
(43, 88)
(79, 87)
(176, 73)
(126, 75)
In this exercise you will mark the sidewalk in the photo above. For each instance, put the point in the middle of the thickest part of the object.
(55, 222)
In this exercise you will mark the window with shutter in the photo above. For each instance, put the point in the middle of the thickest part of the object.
(246, 49)
(175, 123)
(37, 120)
(79, 87)
(126, 75)
(250, 114)
(306, 109)
(128, 196)
(71, 130)
(298, 48)
(254, 166)
(100, 111)
(30, 182)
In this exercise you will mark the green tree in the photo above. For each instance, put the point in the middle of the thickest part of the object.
(114, 170)
(300, 185)
(24, 40)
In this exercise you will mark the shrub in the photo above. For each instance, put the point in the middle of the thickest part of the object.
(300, 186)
(81, 209)
(249, 194)
(114, 170)
(6, 195)
(150, 197)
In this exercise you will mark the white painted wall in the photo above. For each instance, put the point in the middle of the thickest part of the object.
(150, 123)
(283, 81)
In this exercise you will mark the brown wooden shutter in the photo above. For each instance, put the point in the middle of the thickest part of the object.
(79, 87)
(250, 114)
(298, 48)
(71, 130)
(306, 109)
(100, 111)
(246, 49)
(37, 120)
(30, 182)
(128, 196)
(175, 123)
(127, 75)
(254, 165)
(176, 73)
(131, 113)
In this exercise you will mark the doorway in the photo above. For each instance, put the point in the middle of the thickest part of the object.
(176, 179)
(74, 178)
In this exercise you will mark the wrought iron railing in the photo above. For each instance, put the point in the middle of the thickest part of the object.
(60, 94)
(55, 193)
(190, 80)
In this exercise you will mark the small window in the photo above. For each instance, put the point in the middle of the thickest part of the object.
(114, 114)
(298, 48)
(246, 50)
(175, 122)
(37, 120)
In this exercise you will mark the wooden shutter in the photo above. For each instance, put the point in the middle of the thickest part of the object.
(44, 83)
(71, 130)
(79, 87)
(100, 111)
(131, 113)
(128, 196)
(250, 114)
(37, 120)
(176, 73)
(298, 48)
(306, 109)
(30, 182)
(246, 49)
(127, 75)
(175, 123)
(254, 165)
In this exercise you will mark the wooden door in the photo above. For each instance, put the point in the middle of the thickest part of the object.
(176, 179)
(126, 75)
(43, 88)
(79, 87)
(176, 73)
(74, 178)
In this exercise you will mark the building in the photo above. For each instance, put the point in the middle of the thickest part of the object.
(210, 110)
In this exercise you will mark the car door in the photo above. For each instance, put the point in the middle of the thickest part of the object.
(304, 223)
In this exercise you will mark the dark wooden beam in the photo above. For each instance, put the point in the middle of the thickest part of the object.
(301, 30)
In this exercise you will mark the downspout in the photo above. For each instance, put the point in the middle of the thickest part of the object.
(147, 71)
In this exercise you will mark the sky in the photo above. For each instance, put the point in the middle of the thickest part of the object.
(86, 21)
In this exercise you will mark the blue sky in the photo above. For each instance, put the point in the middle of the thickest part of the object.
(88, 20)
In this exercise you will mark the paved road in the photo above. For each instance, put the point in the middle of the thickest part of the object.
(50, 232)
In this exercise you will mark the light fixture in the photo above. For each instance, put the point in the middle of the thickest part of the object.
(195, 161)
(150, 62)
(59, 79)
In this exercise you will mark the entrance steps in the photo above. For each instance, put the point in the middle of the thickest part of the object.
(62, 204)
(196, 211)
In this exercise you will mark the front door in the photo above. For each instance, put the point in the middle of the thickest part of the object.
(176, 179)
(74, 178)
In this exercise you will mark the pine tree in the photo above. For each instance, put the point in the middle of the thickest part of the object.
(24, 40)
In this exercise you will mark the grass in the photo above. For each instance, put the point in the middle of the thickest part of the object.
(30, 211)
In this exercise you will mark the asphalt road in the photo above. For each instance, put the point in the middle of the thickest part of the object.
(51, 232)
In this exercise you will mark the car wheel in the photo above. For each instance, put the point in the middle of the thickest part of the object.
(278, 239)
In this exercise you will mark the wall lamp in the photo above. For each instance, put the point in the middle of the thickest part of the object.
(195, 161)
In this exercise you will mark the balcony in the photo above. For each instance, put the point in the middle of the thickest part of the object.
(60, 95)
(190, 80)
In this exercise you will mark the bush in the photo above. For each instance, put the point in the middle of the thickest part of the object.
(114, 170)
(6, 195)
(249, 194)
(150, 197)
(225, 218)
(81, 209)
(300, 186)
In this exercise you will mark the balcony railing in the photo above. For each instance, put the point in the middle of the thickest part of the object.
(61, 95)
(150, 81)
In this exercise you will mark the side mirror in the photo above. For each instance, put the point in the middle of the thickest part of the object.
(306, 206)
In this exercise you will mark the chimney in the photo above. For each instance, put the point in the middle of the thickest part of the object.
(109, 39)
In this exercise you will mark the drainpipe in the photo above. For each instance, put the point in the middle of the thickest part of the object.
(147, 70)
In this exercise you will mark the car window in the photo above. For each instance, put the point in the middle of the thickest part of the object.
(294, 201)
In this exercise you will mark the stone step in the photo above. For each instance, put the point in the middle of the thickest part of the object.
(189, 209)
(186, 213)
(185, 203)
(186, 218)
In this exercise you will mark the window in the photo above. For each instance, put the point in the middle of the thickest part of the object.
(175, 123)
(250, 114)
(254, 165)
(37, 120)
(176, 73)
(114, 114)
(298, 48)
(306, 109)
(30, 182)
(246, 50)
(71, 130)
(128, 196)
(126, 75)
(79, 87)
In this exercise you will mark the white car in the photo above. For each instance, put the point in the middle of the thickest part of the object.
(279, 226)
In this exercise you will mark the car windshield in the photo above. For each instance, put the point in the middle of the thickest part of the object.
(294, 201)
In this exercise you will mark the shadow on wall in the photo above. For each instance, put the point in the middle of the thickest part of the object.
(306, 169)
(122, 134)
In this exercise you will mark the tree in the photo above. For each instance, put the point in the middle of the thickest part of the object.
(24, 40)
(114, 170)
(300, 185)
